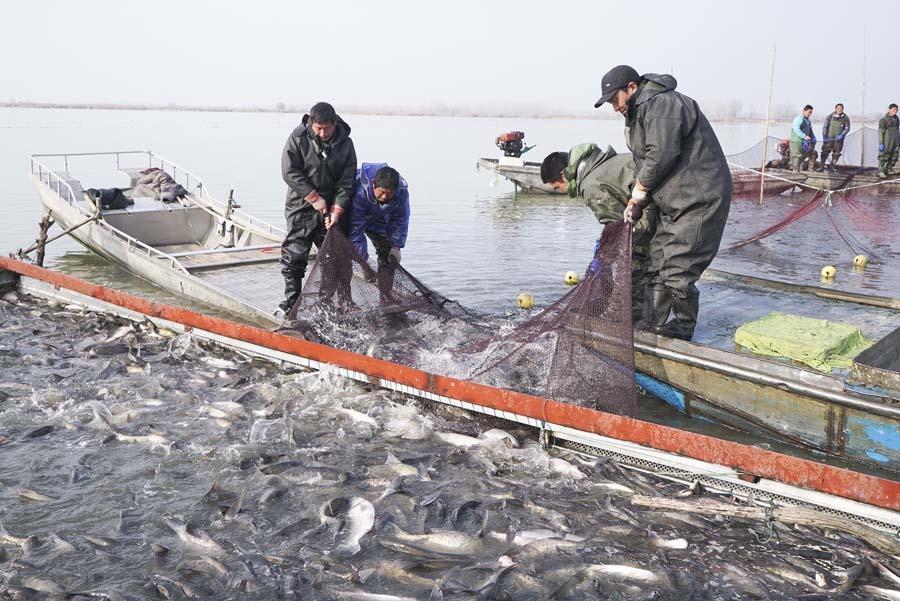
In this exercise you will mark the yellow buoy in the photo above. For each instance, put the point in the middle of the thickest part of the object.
(828, 272)
(860, 261)
(572, 278)
(525, 301)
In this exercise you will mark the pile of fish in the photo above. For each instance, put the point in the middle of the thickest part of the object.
(137, 464)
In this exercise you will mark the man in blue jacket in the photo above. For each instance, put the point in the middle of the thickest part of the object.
(380, 210)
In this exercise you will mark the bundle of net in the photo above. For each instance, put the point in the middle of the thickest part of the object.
(578, 350)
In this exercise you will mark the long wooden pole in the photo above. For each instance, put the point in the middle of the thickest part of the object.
(765, 157)
(862, 120)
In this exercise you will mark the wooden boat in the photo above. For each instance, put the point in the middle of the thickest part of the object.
(196, 247)
(720, 465)
(187, 249)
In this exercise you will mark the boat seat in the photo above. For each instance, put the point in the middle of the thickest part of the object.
(64, 177)
(133, 173)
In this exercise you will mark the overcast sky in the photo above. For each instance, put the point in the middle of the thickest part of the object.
(544, 55)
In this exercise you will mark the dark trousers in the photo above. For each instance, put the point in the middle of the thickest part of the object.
(386, 268)
(834, 147)
(305, 228)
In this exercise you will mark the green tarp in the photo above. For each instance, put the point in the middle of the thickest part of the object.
(821, 344)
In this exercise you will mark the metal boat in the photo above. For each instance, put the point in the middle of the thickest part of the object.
(197, 247)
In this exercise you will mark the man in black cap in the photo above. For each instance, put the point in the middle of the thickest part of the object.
(680, 168)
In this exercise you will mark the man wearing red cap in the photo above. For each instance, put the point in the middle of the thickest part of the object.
(681, 169)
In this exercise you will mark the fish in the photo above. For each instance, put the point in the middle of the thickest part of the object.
(38, 432)
(61, 545)
(391, 468)
(439, 542)
(43, 585)
(525, 537)
(197, 540)
(360, 418)
(880, 593)
(32, 495)
(101, 542)
(458, 440)
(359, 521)
(364, 596)
(9, 539)
(502, 437)
(208, 566)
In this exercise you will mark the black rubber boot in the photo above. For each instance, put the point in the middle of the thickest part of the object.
(657, 303)
(684, 317)
(293, 284)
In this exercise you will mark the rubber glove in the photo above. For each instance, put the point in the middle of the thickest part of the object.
(594, 267)
(881, 148)
(394, 255)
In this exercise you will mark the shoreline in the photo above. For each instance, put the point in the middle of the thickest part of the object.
(350, 110)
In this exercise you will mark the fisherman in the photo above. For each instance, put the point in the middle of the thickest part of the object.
(680, 168)
(602, 179)
(319, 167)
(888, 141)
(784, 149)
(380, 210)
(803, 142)
(836, 128)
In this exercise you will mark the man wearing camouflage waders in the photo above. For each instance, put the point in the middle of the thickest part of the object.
(888, 142)
(319, 167)
(836, 128)
(803, 142)
(602, 180)
(682, 170)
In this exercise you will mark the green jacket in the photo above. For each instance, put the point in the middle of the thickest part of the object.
(889, 132)
(602, 179)
(835, 126)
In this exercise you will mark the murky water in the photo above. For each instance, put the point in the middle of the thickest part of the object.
(139, 465)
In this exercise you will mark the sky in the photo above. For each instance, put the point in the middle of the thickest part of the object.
(510, 56)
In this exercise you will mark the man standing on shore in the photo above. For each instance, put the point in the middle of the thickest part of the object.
(680, 168)
(836, 128)
(803, 142)
(319, 167)
(888, 141)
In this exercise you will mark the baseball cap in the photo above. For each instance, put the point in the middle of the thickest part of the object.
(616, 79)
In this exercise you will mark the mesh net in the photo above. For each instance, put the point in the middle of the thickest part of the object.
(842, 196)
(579, 350)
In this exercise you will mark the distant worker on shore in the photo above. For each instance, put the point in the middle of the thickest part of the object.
(602, 179)
(803, 141)
(784, 149)
(682, 170)
(836, 128)
(380, 210)
(319, 167)
(888, 142)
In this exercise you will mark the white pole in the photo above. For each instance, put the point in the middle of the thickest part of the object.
(762, 178)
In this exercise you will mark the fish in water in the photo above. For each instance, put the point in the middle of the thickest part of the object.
(359, 520)
(32, 495)
(196, 540)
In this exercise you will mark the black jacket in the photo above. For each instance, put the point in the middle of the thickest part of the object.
(329, 168)
(676, 152)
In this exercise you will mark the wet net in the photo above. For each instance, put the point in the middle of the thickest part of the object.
(578, 350)
(840, 197)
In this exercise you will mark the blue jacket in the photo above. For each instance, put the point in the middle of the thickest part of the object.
(368, 215)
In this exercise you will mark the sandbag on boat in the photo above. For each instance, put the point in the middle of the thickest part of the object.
(819, 343)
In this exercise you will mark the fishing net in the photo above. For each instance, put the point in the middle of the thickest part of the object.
(840, 193)
(579, 350)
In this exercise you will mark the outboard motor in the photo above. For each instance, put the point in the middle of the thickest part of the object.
(512, 143)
